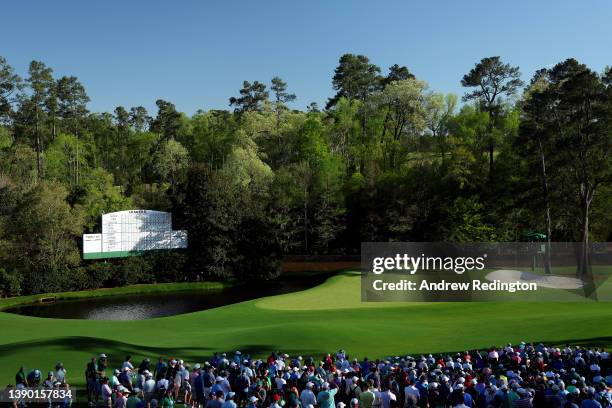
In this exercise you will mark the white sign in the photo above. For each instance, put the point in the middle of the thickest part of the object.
(92, 243)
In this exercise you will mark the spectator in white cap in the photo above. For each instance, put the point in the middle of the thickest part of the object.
(354, 390)
(121, 397)
(307, 397)
(148, 387)
(252, 402)
(125, 378)
(229, 401)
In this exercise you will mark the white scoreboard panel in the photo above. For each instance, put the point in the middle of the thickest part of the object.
(92, 243)
(124, 232)
(136, 230)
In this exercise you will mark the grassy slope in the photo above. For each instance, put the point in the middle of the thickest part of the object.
(321, 319)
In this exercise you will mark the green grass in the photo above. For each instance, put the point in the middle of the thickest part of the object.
(312, 322)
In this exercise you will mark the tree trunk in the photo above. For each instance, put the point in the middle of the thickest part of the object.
(491, 149)
(584, 264)
(39, 163)
(547, 255)
(76, 164)
(305, 219)
(490, 128)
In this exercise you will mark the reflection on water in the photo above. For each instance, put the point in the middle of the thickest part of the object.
(147, 306)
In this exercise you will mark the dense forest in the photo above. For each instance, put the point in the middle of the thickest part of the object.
(387, 159)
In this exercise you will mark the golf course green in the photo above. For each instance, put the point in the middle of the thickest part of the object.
(312, 322)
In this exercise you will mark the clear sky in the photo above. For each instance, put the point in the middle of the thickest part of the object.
(197, 53)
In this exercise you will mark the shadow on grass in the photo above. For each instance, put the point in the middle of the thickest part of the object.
(603, 341)
(117, 350)
(94, 346)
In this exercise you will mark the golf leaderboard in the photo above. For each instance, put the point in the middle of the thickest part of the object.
(234, 204)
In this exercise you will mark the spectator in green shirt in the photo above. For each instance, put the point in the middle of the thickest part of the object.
(366, 398)
(167, 401)
(325, 399)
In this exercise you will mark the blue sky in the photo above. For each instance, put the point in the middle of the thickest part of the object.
(197, 53)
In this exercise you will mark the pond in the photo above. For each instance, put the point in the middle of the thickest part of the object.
(150, 305)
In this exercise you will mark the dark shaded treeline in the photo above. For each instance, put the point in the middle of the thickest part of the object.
(388, 159)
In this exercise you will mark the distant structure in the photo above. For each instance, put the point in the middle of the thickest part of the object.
(127, 233)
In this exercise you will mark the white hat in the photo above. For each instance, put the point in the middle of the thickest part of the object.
(102, 355)
(341, 404)
(253, 398)
(197, 365)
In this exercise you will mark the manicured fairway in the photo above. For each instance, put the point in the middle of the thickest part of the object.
(325, 318)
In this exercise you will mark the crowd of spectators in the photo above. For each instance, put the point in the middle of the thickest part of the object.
(515, 376)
